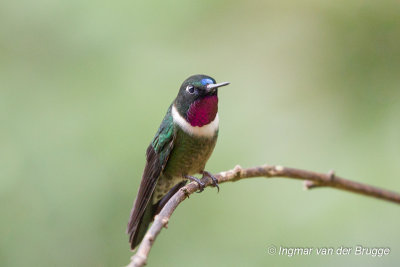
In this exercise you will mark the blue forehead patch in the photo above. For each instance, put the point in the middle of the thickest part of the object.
(206, 81)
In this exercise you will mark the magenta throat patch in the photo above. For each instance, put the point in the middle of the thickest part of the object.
(203, 111)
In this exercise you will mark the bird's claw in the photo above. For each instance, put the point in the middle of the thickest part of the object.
(214, 180)
(200, 183)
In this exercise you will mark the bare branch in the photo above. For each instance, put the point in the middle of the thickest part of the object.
(311, 180)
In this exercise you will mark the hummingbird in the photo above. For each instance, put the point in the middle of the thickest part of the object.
(180, 149)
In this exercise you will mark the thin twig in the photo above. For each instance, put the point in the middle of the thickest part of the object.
(311, 180)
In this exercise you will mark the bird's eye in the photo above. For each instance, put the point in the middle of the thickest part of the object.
(190, 89)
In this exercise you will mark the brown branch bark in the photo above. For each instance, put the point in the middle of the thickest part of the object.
(311, 180)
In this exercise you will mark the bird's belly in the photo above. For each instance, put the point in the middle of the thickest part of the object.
(189, 156)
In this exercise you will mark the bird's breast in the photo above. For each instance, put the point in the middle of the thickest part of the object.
(189, 156)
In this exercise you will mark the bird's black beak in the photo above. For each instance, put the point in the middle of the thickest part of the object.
(211, 87)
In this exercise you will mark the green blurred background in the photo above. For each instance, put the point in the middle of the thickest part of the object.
(84, 86)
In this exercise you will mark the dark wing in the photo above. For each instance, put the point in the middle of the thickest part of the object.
(156, 158)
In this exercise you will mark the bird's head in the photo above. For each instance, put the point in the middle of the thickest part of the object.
(197, 100)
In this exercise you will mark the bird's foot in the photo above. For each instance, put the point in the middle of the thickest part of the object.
(214, 180)
(194, 179)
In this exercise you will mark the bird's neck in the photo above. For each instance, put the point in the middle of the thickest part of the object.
(202, 111)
